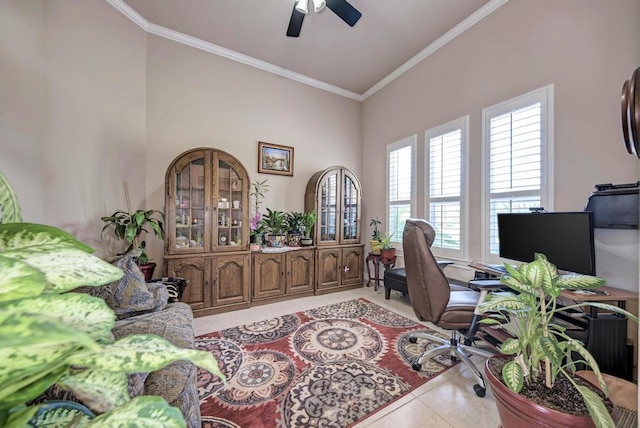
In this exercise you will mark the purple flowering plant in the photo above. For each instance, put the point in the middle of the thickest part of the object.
(255, 224)
(258, 190)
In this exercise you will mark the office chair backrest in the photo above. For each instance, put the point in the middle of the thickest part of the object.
(428, 287)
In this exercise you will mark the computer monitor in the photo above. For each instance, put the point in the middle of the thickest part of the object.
(566, 238)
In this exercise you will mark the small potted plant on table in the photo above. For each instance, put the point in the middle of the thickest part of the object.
(375, 241)
(308, 221)
(387, 251)
(541, 355)
(129, 226)
(275, 223)
(295, 226)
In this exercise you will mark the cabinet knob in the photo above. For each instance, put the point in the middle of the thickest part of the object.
(206, 283)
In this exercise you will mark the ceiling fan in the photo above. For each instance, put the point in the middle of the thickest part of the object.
(342, 8)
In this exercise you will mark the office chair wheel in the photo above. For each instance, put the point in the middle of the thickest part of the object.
(413, 339)
(480, 391)
(417, 367)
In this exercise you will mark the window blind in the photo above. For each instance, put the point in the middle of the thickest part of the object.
(400, 186)
(445, 177)
(515, 164)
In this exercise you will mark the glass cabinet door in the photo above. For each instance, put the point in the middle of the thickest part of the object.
(229, 207)
(328, 204)
(190, 206)
(350, 198)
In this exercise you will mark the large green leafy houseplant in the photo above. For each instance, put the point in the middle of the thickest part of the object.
(540, 346)
(129, 226)
(49, 335)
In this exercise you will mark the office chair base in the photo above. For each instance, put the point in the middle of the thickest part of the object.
(455, 350)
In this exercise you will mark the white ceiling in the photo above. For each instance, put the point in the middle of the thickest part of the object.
(391, 36)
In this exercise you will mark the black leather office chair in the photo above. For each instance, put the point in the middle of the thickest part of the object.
(434, 301)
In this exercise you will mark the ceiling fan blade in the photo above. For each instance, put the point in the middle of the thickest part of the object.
(295, 23)
(345, 11)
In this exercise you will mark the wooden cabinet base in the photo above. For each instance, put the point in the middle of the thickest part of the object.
(220, 309)
(337, 289)
(281, 298)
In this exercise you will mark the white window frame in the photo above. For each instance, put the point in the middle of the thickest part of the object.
(545, 97)
(461, 124)
(412, 142)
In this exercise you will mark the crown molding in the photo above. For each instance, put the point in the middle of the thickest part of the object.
(194, 42)
(130, 13)
(463, 26)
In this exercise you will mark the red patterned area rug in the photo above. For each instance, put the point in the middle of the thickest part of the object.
(326, 367)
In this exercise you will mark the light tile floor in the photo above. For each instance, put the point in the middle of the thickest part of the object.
(446, 401)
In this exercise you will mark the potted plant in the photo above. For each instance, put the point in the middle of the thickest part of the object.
(50, 335)
(541, 353)
(387, 251)
(295, 226)
(275, 223)
(308, 221)
(375, 242)
(129, 226)
(258, 190)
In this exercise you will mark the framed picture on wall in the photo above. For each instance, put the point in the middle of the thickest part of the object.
(275, 159)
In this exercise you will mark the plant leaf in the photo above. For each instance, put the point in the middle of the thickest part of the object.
(20, 418)
(510, 346)
(99, 389)
(88, 314)
(9, 207)
(19, 280)
(513, 376)
(551, 350)
(516, 284)
(68, 268)
(143, 353)
(497, 303)
(62, 414)
(27, 388)
(21, 236)
(597, 410)
(579, 282)
(576, 346)
(147, 412)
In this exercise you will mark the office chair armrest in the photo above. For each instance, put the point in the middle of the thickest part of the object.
(444, 263)
(486, 285)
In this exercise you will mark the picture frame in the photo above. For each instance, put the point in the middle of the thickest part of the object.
(275, 159)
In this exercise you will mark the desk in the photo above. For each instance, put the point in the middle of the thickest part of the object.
(607, 335)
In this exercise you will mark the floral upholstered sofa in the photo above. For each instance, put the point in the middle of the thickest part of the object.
(144, 308)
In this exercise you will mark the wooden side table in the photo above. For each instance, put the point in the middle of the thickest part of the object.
(375, 259)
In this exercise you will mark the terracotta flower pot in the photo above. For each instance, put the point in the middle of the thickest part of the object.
(147, 269)
(516, 411)
(387, 256)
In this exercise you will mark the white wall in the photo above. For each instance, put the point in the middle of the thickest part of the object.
(72, 112)
(95, 136)
(196, 99)
(586, 48)
(22, 102)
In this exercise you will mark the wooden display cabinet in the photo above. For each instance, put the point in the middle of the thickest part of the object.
(335, 193)
(282, 276)
(339, 268)
(207, 216)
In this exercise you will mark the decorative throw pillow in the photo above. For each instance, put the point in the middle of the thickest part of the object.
(131, 295)
(175, 287)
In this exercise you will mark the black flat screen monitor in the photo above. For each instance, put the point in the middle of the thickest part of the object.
(566, 238)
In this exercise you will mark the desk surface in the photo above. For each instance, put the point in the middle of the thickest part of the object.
(614, 294)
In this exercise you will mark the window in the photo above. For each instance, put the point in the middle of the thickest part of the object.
(517, 138)
(400, 191)
(445, 151)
